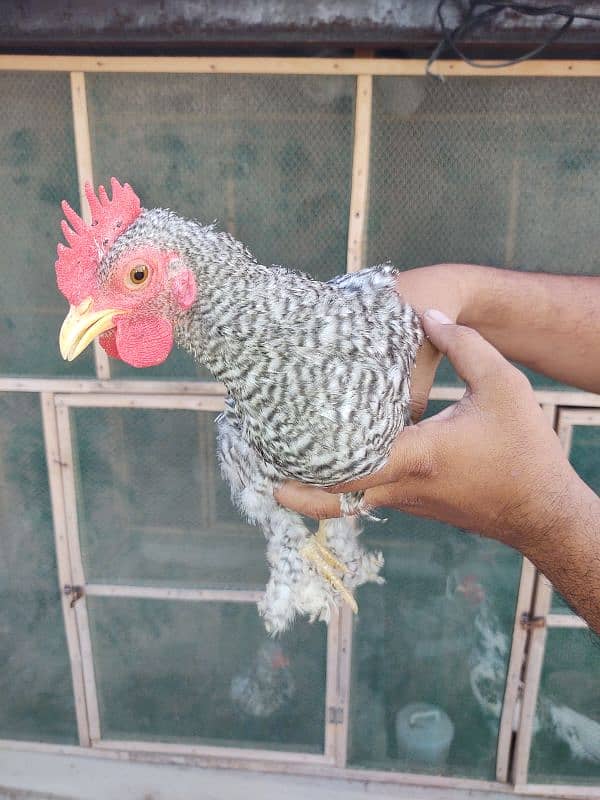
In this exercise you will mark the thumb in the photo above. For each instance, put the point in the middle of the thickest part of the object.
(475, 360)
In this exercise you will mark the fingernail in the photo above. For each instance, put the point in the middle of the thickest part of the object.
(438, 316)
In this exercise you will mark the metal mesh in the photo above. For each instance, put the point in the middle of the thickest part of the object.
(207, 673)
(496, 171)
(437, 632)
(566, 742)
(500, 171)
(35, 675)
(153, 508)
(269, 158)
(37, 170)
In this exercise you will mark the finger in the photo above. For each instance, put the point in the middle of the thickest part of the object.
(423, 374)
(309, 500)
(414, 454)
(475, 360)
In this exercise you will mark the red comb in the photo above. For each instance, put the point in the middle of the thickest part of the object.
(77, 264)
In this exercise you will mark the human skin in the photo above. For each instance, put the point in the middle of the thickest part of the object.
(491, 463)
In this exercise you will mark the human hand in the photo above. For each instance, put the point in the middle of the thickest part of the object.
(447, 287)
(490, 463)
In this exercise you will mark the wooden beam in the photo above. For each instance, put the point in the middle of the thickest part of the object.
(323, 769)
(62, 386)
(160, 401)
(63, 561)
(77, 570)
(85, 174)
(241, 754)
(359, 196)
(167, 593)
(565, 621)
(88, 386)
(227, 65)
(513, 688)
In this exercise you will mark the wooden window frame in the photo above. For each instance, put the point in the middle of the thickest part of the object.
(58, 395)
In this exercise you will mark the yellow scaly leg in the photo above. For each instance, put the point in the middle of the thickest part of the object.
(326, 564)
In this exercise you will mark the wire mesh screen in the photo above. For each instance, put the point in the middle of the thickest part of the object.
(269, 158)
(153, 508)
(37, 170)
(433, 641)
(566, 742)
(585, 457)
(497, 171)
(35, 676)
(207, 673)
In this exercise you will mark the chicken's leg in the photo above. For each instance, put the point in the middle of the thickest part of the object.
(323, 561)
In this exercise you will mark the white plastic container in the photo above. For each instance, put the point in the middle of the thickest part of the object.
(424, 733)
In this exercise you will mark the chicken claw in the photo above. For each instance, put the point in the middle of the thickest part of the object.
(323, 561)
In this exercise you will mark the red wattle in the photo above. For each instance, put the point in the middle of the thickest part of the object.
(142, 340)
(108, 341)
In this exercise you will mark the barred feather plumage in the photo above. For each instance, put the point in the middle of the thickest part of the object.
(318, 376)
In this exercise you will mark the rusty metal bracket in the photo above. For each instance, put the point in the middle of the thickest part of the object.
(74, 592)
(529, 622)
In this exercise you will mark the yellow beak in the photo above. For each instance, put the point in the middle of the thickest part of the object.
(81, 326)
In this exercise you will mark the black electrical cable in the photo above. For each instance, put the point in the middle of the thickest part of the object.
(480, 11)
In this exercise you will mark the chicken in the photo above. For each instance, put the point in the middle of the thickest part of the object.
(267, 686)
(318, 374)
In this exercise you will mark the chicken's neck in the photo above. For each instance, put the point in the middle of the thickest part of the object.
(240, 305)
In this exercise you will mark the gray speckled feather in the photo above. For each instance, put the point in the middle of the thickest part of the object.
(318, 376)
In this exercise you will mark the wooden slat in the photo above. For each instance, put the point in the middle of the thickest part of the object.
(77, 570)
(159, 401)
(86, 386)
(85, 174)
(332, 682)
(344, 672)
(295, 66)
(533, 671)
(238, 753)
(323, 769)
(359, 197)
(63, 561)
(195, 388)
(513, 688)
(172, 593)
(565, 621)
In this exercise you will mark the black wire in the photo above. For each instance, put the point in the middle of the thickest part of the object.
(480, 11)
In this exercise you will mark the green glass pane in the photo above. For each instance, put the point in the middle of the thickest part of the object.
(36, 695)
(437, 633)
(585, 457)
(37, 170)
(566, 742)
(268, 157)
(153, 508)
(207, 673)
(477, 171)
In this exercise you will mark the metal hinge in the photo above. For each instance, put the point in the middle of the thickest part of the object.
(528, 621)
(335, 715)
(74, 592)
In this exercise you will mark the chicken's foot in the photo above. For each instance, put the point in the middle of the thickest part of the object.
(323, 561)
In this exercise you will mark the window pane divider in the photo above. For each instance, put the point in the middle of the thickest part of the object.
(79, 608)
(85, 174)
(174, 593)
(63, 561)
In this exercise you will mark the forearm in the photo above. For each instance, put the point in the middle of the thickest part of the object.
(567, 550)
(550, 323)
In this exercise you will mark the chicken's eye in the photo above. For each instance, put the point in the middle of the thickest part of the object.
(138, 274)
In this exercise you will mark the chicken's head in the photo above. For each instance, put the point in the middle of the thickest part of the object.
(128, 289)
